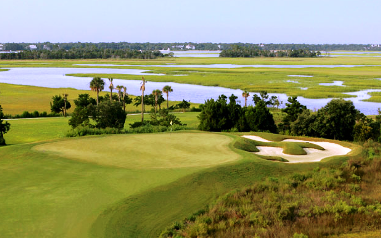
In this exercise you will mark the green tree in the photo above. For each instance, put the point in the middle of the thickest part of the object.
(64, 96)
(84, 100)
(336, 120)
(156, 93)
(143, 88)
(111, 87)
(4, 127)
(119, 88)
(81, 116)
(245, 94)
(167, 89)
(293, 109)
(97, 85)
(183, 105)
(109, 114)
(259, 118)
(214, 115)
(59, 104)
(304, 124)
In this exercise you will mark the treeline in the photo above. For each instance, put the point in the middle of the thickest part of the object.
(198, 46)
(83, 53)
(339, 119)
(248, 52)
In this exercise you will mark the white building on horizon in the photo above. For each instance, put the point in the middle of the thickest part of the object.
(32, 47)
(2, 47)
(190, 47)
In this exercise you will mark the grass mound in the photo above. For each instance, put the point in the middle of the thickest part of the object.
(246, 145)
(147, 151)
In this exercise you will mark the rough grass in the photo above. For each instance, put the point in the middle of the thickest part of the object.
(322, 202)
(15, 99)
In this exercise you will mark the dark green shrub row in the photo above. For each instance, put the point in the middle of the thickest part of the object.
(86, 130)
(34, 114)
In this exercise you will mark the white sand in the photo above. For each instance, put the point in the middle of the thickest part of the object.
(313, 155)
(257, 138)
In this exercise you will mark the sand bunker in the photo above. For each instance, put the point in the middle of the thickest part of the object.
(257, 138)
(313, 155)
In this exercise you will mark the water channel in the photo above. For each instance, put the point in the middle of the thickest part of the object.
(55, 78)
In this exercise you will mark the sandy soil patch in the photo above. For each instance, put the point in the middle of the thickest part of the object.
(313, 155)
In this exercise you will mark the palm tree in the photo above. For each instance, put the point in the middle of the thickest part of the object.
(124, 98)
(167, 89)
(65, 95)
(111, 87)
(245, 94)
(143, 88)
(156, 93)
(119, 87)
(97, 85)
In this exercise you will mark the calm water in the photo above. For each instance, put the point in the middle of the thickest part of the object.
(55, 78)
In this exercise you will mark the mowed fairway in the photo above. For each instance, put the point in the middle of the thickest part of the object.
(147, 151)
(45, 194)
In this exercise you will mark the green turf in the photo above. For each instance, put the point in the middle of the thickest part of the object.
(45, 194)
(40, 129)
(147, 151)
(137, 216)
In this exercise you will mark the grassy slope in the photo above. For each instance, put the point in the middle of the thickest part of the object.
(137, 216)
(51, 207)
(46, 195)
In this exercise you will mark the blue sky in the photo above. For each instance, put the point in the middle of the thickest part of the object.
(267, 21)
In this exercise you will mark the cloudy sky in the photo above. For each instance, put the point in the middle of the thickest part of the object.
(266, 21)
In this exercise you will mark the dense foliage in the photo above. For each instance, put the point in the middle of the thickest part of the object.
(322, 202)
(60, 104)
(34, 114)
(80, 53)
(239, 51)
(218, 115)
(4, 127)
(108, 113)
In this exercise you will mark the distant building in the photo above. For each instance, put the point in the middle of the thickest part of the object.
(190, 47)
(46, 47)
(32, 47)
(178, 46)
(2, 47)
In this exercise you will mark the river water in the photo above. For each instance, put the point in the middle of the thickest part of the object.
(55, 78)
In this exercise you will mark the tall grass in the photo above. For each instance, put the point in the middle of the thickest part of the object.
(321, 202)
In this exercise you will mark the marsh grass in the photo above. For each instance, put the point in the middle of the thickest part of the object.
(251, 79)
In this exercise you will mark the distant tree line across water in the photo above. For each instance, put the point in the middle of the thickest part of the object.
(248, 52)
(84, 53)
(182, 46)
